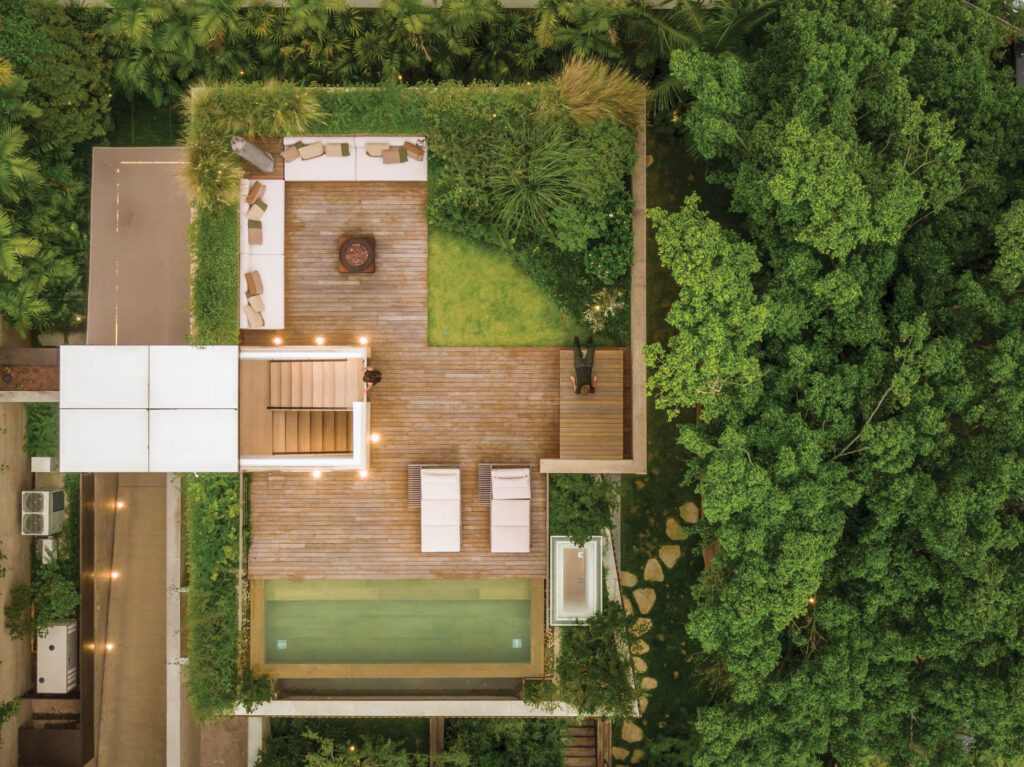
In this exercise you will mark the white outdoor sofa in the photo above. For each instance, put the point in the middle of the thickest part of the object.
(267, 258)
(440, 509)
(510, 509)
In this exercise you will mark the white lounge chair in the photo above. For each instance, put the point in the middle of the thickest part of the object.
(440, 509)
(510, 510)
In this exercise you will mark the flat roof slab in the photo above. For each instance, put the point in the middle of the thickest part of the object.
(193, 377)
(104, 440)
(193, 440)
(104, 376)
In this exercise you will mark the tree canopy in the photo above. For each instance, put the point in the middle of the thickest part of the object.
(858, 348)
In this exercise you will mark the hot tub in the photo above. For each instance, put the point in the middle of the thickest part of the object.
(575, 578)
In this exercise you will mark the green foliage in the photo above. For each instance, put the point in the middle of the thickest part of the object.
(213, 240)
(53, 596)
(861, 467)
(42, 429)
(591, 90)
(68, 539)
(290, 739)
(68, 74)
(594, 666)
(579, 505)
(217, 680)
(376, 753)
(509, 742)
(8, 710)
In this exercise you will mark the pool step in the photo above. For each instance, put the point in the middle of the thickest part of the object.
(311, 431)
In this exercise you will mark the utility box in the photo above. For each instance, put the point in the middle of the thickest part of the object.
(43, 464)
(57, 659)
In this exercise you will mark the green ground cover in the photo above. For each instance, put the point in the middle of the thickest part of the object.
(479, 296)
(288, 744)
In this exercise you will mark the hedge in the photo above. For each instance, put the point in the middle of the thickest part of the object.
(509, 165)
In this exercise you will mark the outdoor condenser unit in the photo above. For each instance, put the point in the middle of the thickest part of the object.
(57, 659)
(42, 512)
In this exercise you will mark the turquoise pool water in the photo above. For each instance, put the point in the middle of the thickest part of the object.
(381, 621)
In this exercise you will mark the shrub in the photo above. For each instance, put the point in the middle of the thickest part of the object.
(213, 239)
(376, 753)
(594, 667)
(42, 428)
(8, 710)
(509, 742)
(217, 681)
(579, 506)
(592, 90)
(53, 595)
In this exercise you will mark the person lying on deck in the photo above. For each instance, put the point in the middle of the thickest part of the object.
(371, 377)
(584, 366)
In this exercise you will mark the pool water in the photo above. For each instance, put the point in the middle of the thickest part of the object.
(403, 621)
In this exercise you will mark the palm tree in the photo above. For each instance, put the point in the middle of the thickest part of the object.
(16, 170)
(13, 248)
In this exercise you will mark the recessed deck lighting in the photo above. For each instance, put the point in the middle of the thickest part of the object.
(109, 646)
(119, 505)
(317, 473)
(114, 575)
(278, 340)
(363, 473)
(319, 340)
(375, 437)
(363, 340)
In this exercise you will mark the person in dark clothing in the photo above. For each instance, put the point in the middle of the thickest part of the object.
(371, 377)
(583, 363)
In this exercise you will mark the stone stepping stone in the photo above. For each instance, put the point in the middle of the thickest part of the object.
(648, 683)
(642, 706)
(631, 732)
(639, 664)
(644, 600)
(670, 555)
(619, 753)
(638, 754)
(690, 512)
(627, 606)
(640, 647)
(627, 579)
(642, 626)
(674, 530)
(653, 571)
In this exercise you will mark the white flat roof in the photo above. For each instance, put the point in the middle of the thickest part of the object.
(104, 376)
(104, 440)
(193, 440)
(193, 377)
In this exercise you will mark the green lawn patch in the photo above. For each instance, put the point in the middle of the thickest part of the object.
(479, 296)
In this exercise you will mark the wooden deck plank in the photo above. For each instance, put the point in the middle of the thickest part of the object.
(591, 425)
(452, 405)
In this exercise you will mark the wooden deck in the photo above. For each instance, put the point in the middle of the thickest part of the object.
(591, 426)
(434, 405)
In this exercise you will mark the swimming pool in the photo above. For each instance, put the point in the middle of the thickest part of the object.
(378, 623)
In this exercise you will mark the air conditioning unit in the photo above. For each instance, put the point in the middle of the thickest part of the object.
(42, 512)
(57, 659)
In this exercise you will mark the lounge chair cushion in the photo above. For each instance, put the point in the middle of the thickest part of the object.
(510, 525)
(439, 484)
(510, 483)
(440, 511)
(434, 538)
(510, 512)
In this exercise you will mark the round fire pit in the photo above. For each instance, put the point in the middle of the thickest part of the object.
(356, 254)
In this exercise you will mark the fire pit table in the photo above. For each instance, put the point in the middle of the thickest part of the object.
(357, 254)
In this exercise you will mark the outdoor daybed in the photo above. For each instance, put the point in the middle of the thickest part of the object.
(510, 510)
(440, 509)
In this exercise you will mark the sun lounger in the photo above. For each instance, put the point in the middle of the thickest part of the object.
(440, 509)
(510, 510)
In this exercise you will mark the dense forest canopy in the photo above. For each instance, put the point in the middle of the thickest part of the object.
(857, 345)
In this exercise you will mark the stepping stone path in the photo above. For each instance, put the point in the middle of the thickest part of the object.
(642, 706)
(631, 732)
(637, 756)
(639, 664)
(640, 647)
(642, 626)
(648, 683)
(644, 600)
(627, 606)
(670, 554)
(674, 530)
(653, 571)
(619, 753)
(627, 579)
(690, 512)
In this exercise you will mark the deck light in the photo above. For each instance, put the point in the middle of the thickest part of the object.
(119, 505)
(363, 340)
(114, 575)
(363, 473)
(810, 601)
(317, 473)
(375, 437)
(319, 340)
(109, 646)
(278, 340)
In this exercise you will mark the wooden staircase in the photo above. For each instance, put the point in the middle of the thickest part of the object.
(590, 744)
(311, 431)
(315, 384)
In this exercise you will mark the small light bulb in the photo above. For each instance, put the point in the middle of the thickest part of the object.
(114, 575)
(363, 340)
(375, 437)
(363, 473)
(109, 646)
(319, 340)
(119, 504)
(811, 600)
(278, 340)
(351, 747)
(316, 473)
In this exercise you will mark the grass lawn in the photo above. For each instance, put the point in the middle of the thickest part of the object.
(478, 296)
(138, 123)
(648, 502)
